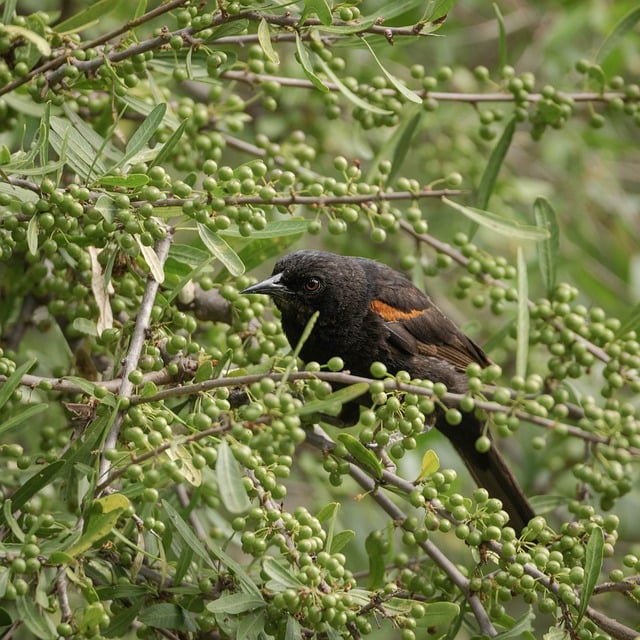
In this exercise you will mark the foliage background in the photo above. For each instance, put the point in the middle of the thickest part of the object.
(150, 485)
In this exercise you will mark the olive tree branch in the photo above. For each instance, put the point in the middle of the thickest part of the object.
(134, 351)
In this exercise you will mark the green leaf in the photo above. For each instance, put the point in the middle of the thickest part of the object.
(440, 9)
(204, 372)
(17, 419)
(169, 145)
(18, 193)
(498, 224)
(274, 229)
(305, 62)
(87, 17)
(85, 326)
(103, 516)
(36, 482)
(143, 133)
(167, 615)
(375, 552)
(429, 465)
(186, 254)
(320, 7)
(364, 456)
(130, 181)
(631, 321)
(348, 94)
(152, 260)
(547, 249)
(399, 87)
(593, 558)
(230, 481)
(491, 171)
(32, 235)
(399, 143)
(38, 624)
(619, 31)
(522, 628)
(236, 603)
(221, 250)
(13, 381)
(328, 511)
(438, 614)
(522, 346)
(281, 577)
(502, 35)
(264, 38)
(38, 41)
(340, 540)
(189, 538)
(76, 150)
(332, 404)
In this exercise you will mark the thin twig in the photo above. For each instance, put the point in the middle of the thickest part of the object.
(135, 348)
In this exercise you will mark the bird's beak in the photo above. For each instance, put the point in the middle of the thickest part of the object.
(271, 286)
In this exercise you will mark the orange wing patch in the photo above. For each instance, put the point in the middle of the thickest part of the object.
(392, 314)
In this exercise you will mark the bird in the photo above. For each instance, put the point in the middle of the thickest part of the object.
(368, 312)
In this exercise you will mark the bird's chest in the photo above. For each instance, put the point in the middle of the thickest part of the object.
(358, 340)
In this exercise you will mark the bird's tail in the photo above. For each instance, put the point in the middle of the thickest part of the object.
(490, 471)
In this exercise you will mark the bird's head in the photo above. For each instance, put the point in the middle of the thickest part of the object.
(308, 281)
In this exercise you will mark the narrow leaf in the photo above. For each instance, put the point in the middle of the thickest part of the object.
(305, 62)
(32, 235)
(152, 260)
(130, 181)
(169, 145)
(102, 518)
(374, 549)
(593, 557)
(38, 41)
(440, 9)
(438, 614)
(363, 455)
(230, 481)
(498, 224)
(13, 381)
(340, 540)
(264, 38)
(36, 482)
(625, 25)
(143, 133)
(521, 629)
(281, 577)
(429, 465)
(168, 615)
(186, 533)
(502, 34)
(631, 322)
(320, 8)
(236, 603)
(547, 249)
(17, 419)
(86, 17)
(332, 404)
(348, 94)
(40, 626)
(273, 229)
(399, 87)
(400, 142)
(491, 171)
(522, 346)
(221, 250)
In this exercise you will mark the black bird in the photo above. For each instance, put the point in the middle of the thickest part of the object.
(368, 312)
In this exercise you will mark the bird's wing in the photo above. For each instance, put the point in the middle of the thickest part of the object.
(417, 326)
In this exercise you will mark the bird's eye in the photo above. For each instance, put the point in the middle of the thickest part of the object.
(312, 285)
